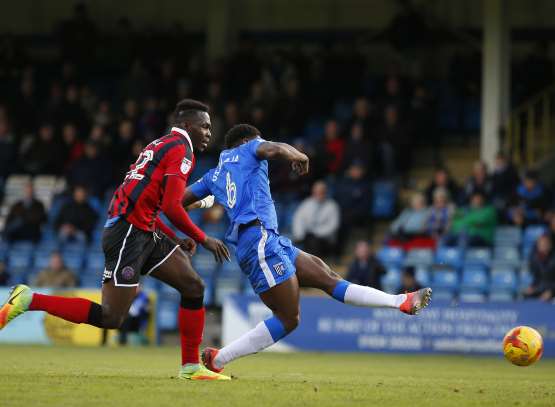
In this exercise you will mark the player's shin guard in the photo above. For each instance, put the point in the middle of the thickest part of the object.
(263, 335)
(363, 296)
(76, 310)
(191, 328)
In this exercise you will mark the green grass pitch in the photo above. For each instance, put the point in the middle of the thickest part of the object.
(69, 376)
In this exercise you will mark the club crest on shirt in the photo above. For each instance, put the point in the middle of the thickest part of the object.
(279, 268)
(186, 165)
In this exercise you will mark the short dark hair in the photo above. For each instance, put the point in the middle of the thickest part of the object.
(238, 132)
(186, 108)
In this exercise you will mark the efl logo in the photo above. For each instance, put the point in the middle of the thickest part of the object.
(279, 268)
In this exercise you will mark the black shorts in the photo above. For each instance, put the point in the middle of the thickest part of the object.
(131, 252)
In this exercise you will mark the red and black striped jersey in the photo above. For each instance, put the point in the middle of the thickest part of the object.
(139, 197)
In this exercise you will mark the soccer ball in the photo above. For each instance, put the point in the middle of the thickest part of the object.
(523, 346)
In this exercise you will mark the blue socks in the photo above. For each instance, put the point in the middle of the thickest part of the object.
(340, 289)
(276, 328)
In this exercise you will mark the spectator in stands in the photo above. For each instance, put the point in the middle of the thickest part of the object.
(25, 218)
(91, 171)
(408, 281)
(4, 275)
(56, 275)
(552, 229)
(316, 221)
(42, 156)
(412, 222)
(8, 151)
(440, 213)
(542, 267)
(442, 179)
(72, 147)
(504, 180)
(121, 150)
(72, 111)
(394, 143)
(77, 218)
(333, 149)
(358, 148)
(365, 269)
(479, 181)
(423, 113)
(475, 224)
(531, 201)
(353, 195)
(362, 117)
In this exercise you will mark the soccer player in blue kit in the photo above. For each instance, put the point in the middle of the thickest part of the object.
(275, 268)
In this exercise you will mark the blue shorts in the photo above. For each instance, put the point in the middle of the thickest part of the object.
(265, 257)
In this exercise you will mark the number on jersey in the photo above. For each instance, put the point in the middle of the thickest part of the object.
(142, 161)
(231, 190)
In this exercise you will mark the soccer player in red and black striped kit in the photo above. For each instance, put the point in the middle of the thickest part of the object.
(136, 242)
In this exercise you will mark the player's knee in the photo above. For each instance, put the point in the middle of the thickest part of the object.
(193, 288)
(291, 322)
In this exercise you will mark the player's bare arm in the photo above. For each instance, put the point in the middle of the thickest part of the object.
(270, 150)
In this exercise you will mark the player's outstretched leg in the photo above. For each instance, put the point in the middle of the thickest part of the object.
(283, 300)
(314, 272)
(178, 273)
(115, 305)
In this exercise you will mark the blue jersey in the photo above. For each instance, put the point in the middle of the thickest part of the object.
(240, 183)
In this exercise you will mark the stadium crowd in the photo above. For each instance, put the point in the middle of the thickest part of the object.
(85, 120)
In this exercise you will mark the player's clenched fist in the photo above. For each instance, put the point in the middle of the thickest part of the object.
(300, 165)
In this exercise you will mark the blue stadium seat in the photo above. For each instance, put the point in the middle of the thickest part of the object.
(506, 255)
(508, 236)
(204, 263)
(445, 280)
(230, 269)
(419, 257)
(90, 280)
(225, 287)
(475, 278)
(525, 279)
(501, 296)
(314, 130)
(472, 295)
(42, 259)
(384, 197)
(95, 261)
(442, 294)
(22, 246)
(73, 260)
(74, 247)
(216, 230)
(391, 281)
(19, 259)
(503, 280)
(422, 275)
(478, 257)
(532, 233)
(391, 256)
(449, 256)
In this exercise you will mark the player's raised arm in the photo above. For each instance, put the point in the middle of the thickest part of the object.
(269, 150)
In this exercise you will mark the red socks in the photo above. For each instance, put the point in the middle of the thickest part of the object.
(71, 309)
(191, 327)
